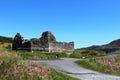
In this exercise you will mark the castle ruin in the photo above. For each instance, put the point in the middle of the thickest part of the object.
(46, 43)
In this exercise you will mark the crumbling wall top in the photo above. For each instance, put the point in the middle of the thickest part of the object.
(47, 35)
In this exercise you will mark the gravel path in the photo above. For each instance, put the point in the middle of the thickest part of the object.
(68, 67)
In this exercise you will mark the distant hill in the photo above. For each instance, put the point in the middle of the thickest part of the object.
(5, 39)
(115, 43)
(110, 47)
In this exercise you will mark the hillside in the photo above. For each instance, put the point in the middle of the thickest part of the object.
(15, 65)
(115, 43)
(5, 39)
(110, 47)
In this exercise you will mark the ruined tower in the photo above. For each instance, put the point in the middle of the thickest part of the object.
(20, 44)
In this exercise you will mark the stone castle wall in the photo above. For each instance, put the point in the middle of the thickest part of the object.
(46, 43)
(61, 46)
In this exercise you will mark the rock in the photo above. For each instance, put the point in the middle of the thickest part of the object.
(47, 42)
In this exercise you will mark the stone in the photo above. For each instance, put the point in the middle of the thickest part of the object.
(19, 43)
(47, 43)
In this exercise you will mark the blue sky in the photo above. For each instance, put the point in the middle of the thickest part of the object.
(86, 22)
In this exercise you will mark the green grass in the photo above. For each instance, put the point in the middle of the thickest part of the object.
(4, 39)
(60, 76)
(92, 66)
(5, 62)
(13, 65)
(63, 54)
(103, 65)
(13, 69)
(87, 54)
(37, 55)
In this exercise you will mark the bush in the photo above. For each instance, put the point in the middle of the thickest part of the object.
(63, 54)
(75, 54)
(86, 53)
(8, 47)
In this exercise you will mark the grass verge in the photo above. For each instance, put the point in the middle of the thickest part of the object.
(60, 76)
(103, 65)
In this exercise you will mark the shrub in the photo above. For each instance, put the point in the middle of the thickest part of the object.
(63, 54)
(75, 54)
(8, 47)
(86, 53)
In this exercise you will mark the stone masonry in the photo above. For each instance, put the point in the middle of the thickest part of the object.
(46, 43)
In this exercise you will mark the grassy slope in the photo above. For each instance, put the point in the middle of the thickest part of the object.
(5, 39)
(104, 65)
(12, 69)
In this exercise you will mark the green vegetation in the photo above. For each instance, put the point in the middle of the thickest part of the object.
(63, 54)
(87, 53)
(12, 67)
(13, 64)
(46, 56)
(32, 55)
(5, 39)
(75, 54)
(60, 76)
(104, 65)
(38, 55)
(35, 55)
